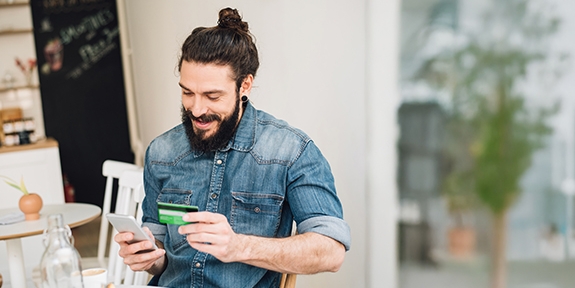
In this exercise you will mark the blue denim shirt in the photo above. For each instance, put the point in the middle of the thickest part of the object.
(267, 176)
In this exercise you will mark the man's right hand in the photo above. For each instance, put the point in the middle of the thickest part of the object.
(153, 261)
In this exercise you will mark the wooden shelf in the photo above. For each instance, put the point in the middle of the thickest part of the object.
(15, 4)
(15, 31)
(43, 143)
(18, 87)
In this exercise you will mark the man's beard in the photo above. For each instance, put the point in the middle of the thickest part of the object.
(221, 137)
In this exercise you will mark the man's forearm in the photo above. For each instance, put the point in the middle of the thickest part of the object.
(307, 253)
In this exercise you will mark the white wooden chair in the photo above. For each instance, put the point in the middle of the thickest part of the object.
(128, 202)
(129, 189)
(112, 170)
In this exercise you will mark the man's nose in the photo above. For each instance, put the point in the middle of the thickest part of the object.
(199, 106)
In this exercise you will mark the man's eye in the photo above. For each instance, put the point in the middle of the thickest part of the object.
(186, 92)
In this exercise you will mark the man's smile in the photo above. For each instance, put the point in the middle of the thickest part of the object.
(202, 125)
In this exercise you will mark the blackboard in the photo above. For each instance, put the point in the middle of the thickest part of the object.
(82, 88)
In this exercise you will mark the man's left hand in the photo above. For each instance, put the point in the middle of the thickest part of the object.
(211, 233)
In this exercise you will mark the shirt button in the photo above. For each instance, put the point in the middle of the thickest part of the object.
(257, 210)
(198, 265)
(214, 195)
(219, 161)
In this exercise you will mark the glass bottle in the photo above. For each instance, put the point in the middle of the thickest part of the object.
(60, 265)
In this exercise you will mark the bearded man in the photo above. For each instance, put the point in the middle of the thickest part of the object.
(251, 176)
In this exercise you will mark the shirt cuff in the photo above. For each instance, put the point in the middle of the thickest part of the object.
(158, 230)
(329, 226)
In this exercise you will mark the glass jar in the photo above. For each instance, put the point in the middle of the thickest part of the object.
(11, 139)
(60, 265)
(8, 127)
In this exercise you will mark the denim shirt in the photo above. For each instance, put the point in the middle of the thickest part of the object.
(269, 175)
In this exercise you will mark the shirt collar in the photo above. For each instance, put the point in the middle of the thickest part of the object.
(244, 138)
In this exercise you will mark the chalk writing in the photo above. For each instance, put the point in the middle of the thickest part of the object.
(86, 25)
(91, 53)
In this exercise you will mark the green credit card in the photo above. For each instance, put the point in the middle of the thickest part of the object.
(169, 213)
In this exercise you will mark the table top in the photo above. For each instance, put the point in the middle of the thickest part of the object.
(74, 214)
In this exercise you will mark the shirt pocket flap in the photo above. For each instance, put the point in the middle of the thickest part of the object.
(256, 213)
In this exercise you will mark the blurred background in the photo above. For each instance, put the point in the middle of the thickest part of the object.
(485, 172)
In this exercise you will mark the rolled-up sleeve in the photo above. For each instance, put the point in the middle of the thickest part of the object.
(158, 230)
(329, 226)
(313, 199)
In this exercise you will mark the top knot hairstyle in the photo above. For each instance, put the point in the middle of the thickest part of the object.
(230, 18)
(228, 43)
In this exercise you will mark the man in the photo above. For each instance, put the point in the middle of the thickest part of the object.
(251, 176)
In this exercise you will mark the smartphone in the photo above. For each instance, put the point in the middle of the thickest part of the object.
(169, 213)
(127, 223)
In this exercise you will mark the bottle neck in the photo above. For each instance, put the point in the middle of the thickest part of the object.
(59, 235)
(58, 238)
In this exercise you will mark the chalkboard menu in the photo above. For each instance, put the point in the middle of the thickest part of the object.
(82, 88)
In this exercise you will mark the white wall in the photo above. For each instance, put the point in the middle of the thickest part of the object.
(382, 94)
(312, 74)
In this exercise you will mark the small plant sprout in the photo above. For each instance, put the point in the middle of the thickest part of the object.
(14, 184)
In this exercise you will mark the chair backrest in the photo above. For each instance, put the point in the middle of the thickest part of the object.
(288, 281)
(112, 170)
(128, 202)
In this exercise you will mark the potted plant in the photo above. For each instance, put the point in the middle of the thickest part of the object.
(30, 203)
(496, 131)
(457, 187)
(461, 235)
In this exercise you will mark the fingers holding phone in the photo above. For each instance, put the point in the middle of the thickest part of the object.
(137, 244)
(140, 256)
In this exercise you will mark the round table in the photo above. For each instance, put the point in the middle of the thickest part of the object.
(74, 214)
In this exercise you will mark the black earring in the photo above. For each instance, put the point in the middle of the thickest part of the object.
(244, 98)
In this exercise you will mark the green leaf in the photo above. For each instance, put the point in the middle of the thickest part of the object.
(12, 183)
(22, 186)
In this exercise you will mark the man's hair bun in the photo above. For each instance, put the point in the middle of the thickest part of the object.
(228, 43)
(230, 18)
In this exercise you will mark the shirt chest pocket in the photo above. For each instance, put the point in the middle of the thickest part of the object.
(256, 213)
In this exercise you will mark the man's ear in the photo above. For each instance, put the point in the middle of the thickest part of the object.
(246, 87)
